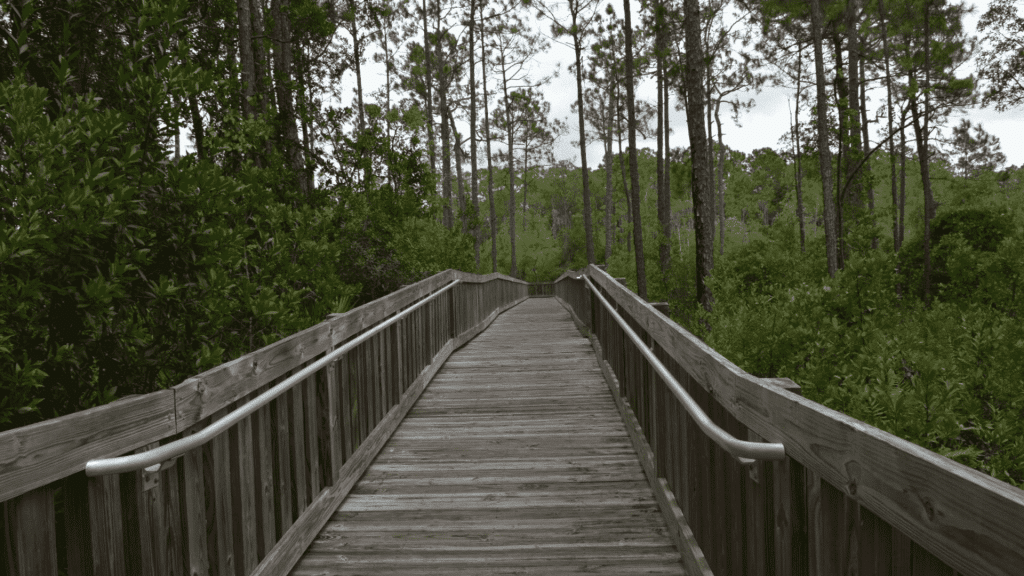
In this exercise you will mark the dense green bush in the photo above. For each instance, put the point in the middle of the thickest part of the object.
(125, 271)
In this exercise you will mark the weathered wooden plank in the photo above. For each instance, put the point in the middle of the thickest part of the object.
(41, 453)
(33, 533)
(297, 434)
(348, 420)
(194, 520)
(312, 432)
(226, 557)
(171, 532)
(139, 521)
(334, 407)
(77, 532)
(263, 428)
(284, 495)
(243, 481)
(907, 486)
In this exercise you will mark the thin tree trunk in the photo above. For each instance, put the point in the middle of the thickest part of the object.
(260, 60)
(245, 52)
(699, 153)
(796, 140)
(711, 156)
(634, 172)
(429, 80)
(474, 183)
(304, 117)
(853, 152)
(720, 193)
(892, 153)
(609, 199)
(587, 223)
(197, 126)
(625, 187)
(666, 224)
(511, 176)
(921, 130)
(526, 170)
(903, 173)
(357, 56)
(866, 147)
(283, 71)
(446, 155)
(490, 167)
(461, 190)
(825, 159)
(662, 216)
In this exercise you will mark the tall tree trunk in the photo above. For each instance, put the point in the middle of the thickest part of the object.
(866, 144)
(659, 155)
(197, 126)
(796, 141)
(260, 60)
(852, 154)
(588, 225)
(634, 172)
(903, 172)
(609, 200)
(825, 155)
(474, 183)
(721, 184)
(526, 170)
(461, 190)
(711, 153)
(245, 52)
(511, 176)
(625, 184)
(921, 130)
(307, 158)
(283, 71)
(699, 153)
(666, 223)
(884, 17)
(357, 56)
(446, 155)
(843, 211)
(429, 79)
(487, 139)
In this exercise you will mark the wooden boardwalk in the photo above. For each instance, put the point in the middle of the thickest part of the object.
(513, 461)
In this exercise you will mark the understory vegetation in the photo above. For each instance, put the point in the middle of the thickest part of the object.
(945, 376)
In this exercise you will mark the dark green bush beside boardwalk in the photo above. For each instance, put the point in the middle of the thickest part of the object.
(124, 271)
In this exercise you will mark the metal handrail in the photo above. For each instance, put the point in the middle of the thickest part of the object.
(153, 460)
(746, 452)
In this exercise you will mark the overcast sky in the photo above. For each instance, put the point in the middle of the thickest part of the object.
(761, 127)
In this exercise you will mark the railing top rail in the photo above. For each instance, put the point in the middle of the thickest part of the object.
(747, 452)
(152, 460)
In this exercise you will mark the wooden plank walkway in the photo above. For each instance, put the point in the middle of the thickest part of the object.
(513, 461)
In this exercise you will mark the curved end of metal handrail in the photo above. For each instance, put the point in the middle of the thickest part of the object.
(745, 451)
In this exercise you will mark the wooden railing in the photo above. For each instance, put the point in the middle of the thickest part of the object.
(848, 498)
(251, 499)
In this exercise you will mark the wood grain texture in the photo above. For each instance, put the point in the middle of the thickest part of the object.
(41, 453)
(514, 460)
(33, 542)
(967, 519)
